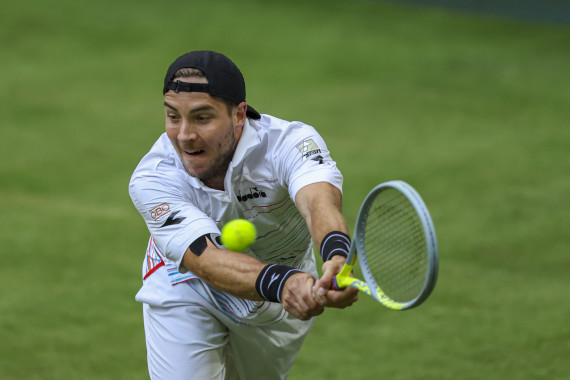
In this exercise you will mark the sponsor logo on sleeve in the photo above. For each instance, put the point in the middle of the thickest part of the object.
(172, 219)
(318, 159)
(308, 148)
(159, 211)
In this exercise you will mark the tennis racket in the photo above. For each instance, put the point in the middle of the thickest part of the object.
(396, 246)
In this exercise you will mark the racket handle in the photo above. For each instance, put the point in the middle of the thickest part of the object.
(334, 285)
(343, 276)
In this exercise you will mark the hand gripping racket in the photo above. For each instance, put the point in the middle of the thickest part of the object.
(397, 248)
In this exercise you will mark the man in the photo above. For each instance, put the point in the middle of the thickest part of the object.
(210, 313)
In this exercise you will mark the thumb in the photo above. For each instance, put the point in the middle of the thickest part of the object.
(323, 284)
(321, 287)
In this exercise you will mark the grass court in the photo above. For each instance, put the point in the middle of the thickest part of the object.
(471, 109)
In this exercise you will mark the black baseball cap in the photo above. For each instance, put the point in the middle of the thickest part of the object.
(224, 78)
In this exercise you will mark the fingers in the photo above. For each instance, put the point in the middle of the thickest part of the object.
(337, 298)
(327, 296)
(330, 269)
(341, 298)
(305, 297)
(321, 288)
(298, 298)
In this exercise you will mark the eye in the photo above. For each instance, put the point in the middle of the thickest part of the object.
(172, 117)
(203, 118)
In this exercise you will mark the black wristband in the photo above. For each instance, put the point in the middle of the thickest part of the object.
(335, 243)
(271, 279)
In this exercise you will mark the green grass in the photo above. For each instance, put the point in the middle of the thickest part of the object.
(472, 110)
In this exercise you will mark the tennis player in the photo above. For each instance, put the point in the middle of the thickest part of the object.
(210, 313)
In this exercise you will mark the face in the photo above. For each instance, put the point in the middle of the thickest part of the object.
(203, 133)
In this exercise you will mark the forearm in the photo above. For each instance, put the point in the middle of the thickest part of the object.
(237, 274)
(321, 206)
(227, 271)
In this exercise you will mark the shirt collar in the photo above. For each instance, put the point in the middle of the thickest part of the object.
(248, 140)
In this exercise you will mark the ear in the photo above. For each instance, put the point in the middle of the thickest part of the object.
(238, 117)
(240, 114)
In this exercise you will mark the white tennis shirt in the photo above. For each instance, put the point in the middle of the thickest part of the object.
(273, 160)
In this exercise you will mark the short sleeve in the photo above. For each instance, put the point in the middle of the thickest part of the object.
(303, 158)
(165, 201)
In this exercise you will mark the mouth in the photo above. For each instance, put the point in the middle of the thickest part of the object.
(193, 152)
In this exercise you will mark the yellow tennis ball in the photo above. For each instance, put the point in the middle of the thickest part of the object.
(238, 235)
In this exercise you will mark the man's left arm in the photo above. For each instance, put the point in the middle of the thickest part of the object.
(321, 206)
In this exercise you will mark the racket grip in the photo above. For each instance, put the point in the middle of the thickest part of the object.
(334, 285)
(342, 277)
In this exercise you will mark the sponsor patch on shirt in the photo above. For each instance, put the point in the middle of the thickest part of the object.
(159, 211)
(308, 148)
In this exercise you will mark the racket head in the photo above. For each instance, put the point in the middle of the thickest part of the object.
(397, 246)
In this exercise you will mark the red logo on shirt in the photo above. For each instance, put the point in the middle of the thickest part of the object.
(160, 210)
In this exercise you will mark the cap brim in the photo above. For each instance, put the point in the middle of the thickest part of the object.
(251, 112)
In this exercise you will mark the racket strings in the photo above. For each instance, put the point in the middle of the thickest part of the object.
(395, 246)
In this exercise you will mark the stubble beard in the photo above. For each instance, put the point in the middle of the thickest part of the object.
(221, 162)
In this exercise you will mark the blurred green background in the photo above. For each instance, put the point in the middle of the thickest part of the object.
(471, 109)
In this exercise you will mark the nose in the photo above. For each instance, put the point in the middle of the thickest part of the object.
(187, 132)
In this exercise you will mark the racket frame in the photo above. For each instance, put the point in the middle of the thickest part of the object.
(369, 286)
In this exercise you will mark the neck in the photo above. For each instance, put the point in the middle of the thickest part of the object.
(215, 183)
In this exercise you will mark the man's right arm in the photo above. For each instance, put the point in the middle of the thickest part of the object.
(237, 274)
(231, 272)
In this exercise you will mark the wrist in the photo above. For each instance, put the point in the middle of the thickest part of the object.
(335, 243)
(338, 259)
(271, 280)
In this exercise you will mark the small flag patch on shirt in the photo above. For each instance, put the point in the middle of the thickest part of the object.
(308, 148)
